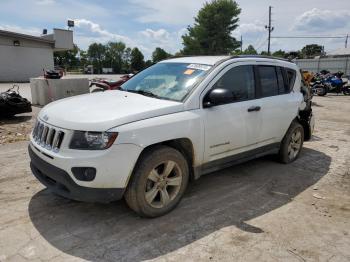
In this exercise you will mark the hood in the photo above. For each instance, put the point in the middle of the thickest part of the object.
(104, 110)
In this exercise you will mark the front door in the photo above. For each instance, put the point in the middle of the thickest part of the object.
(232, 128)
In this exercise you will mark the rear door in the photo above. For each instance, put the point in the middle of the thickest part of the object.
(279, 103)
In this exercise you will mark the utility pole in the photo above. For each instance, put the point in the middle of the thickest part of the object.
(346, 41)
(270, 29)
(241, 44)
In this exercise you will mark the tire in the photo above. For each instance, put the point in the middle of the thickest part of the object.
(321, 91)
(346, 91)
(292, 143)
(158, 182)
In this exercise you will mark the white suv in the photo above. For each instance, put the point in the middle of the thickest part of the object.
(173, 122)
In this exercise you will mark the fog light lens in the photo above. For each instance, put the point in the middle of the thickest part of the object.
(84, 173)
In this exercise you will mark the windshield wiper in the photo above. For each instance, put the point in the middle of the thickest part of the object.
(143, 92)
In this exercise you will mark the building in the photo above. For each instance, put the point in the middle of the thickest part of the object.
(341, 52)
(25, 56)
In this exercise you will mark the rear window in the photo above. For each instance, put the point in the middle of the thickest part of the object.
(291, 75)
(268, 81)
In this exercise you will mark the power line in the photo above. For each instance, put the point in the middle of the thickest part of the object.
(308, 37)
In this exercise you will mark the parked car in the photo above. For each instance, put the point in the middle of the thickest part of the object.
(173, 122)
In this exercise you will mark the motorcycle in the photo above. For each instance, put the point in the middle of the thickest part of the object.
(12, 103)
(322, 84)
(103, 84)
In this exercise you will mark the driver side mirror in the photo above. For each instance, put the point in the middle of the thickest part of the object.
(217, 96)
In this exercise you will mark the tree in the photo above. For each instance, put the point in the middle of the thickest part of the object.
(148, 63)
(127, 60)
(279, 53)
(67, 59)
(264, 53)
(250, 50)
(114, 55)
(212, 32)
(159, 54)
(137, 60)
(293, 54)
(97, 55)
(310, 51)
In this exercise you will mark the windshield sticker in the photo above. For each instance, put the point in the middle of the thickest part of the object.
(189, 72)
(199, 67)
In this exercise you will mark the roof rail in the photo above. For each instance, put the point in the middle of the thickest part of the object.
(262, 56)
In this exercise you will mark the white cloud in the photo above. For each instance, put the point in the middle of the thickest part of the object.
(45, 2)
(178, 12)
(24, 30)
(170, 41)
(94, 30)
(322, 20)
(87, 32)
(160, 35)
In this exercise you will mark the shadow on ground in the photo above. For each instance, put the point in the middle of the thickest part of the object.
(15, 119)
(225, 198)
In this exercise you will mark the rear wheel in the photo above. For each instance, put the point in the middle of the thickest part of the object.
(292, 143)
(346, 90)
(158, 183)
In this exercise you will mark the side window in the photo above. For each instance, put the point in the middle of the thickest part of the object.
(240, 81)
(268, 81)
(291, 75)
(282, 87)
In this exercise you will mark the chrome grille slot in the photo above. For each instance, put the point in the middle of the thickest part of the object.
(47, 136)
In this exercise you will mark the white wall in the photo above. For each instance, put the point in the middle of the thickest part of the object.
(19, 63)
(331, 64)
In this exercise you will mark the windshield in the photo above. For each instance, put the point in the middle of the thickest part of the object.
(171, 81)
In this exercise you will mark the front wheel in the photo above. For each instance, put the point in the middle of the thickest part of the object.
(321, 90)
(158, 182)
(292, 143)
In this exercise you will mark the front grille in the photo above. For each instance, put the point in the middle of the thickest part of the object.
(47, 136)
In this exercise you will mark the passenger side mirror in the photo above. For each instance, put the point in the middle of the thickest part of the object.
(217, 96)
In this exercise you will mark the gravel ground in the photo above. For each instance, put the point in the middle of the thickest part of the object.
(257, 211)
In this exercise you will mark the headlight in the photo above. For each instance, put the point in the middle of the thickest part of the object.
(92, 140)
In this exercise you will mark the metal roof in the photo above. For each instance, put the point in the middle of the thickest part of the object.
(340, 51)
(24, 36)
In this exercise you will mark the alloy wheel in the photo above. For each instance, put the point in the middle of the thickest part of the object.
(294, 144)
(163, 184)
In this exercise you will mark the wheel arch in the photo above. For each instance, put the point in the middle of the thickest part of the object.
(183, 145)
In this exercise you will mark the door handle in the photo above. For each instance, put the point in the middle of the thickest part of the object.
(254, 108)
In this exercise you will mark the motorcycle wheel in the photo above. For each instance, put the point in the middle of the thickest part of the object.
(346, 91)
(321, 90)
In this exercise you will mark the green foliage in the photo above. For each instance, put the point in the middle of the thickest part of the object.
(250, 50)
(293, 54)
(97, 55)
(148, 63)
(137, 60)
(310, 51)
(211, 33)
(114, 55)
(279, 53)
(67, 59)
(159, 54)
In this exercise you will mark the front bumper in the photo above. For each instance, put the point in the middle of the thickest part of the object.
(61, 183)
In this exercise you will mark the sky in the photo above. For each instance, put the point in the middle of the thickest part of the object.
(148, 24)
